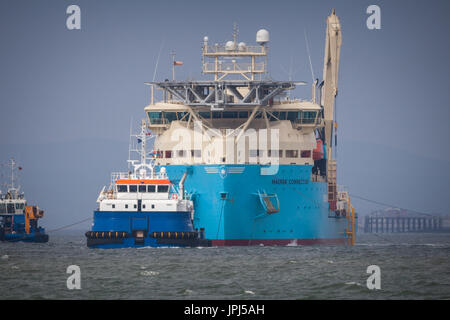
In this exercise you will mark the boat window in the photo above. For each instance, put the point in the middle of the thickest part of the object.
(10, 207)
(122, 188)
(22, 205)
(308, 116)
(113, 206)
(168, 153)
(170, 116)
(181, 115)
(217, 114)
(293, 116)
(305, 154)
(255, 153)
(230, 114)
(291, 153)
(155, 117)
(274, 153)
(142, 188)
(274, 116)
(126, 206)
(151, 188)
(17, 206)
(259, 115)
(181, 153)
(205, 115)
(133, 188)
(243, 114)
(196, 153)
(282, 115)
(2, 208)
(163, 188)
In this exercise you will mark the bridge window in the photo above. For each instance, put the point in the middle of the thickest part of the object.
(133, 188)
(291, 153)
(170, 116)
(230, 115)
(142, 188)
(182, 115)
(155, 117)
(243, 114)
(273, 116)
(151, 188)
(205, 115)
(122, 188)
(309, 116)
(10, 207)
(163, 188)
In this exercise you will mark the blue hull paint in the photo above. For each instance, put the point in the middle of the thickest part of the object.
(228, 207)
(37, 234)
(129, 222)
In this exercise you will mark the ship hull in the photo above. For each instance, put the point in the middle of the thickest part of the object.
(229, 211)
(228, 206)
(15, 231)
(125, 229)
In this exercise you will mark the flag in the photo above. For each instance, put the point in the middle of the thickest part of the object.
(139, 140)
(20, 168)
(177, 63)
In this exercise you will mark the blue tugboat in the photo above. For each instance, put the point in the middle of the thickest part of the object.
(143, 208)
(19, 221)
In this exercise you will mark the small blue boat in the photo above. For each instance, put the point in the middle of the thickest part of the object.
(144, 208)
(19, 221)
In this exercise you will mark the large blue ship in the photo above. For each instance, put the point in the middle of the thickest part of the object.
(257, 165)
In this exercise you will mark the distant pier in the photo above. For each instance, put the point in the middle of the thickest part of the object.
(380, 224)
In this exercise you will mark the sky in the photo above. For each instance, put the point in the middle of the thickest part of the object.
(67, 97)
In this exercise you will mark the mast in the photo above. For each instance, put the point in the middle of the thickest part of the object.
(330, 76)
(12, 173)
(333, 43)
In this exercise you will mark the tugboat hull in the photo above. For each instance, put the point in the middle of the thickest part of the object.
(128, 229)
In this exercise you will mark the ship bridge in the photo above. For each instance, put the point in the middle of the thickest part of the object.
(239, 101)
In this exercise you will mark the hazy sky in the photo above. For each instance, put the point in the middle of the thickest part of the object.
(67, 96)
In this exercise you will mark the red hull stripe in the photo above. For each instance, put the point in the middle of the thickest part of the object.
(276, 242)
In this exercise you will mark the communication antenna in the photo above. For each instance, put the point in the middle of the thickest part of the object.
(309, 57)
(157, 60)
(129, 143)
